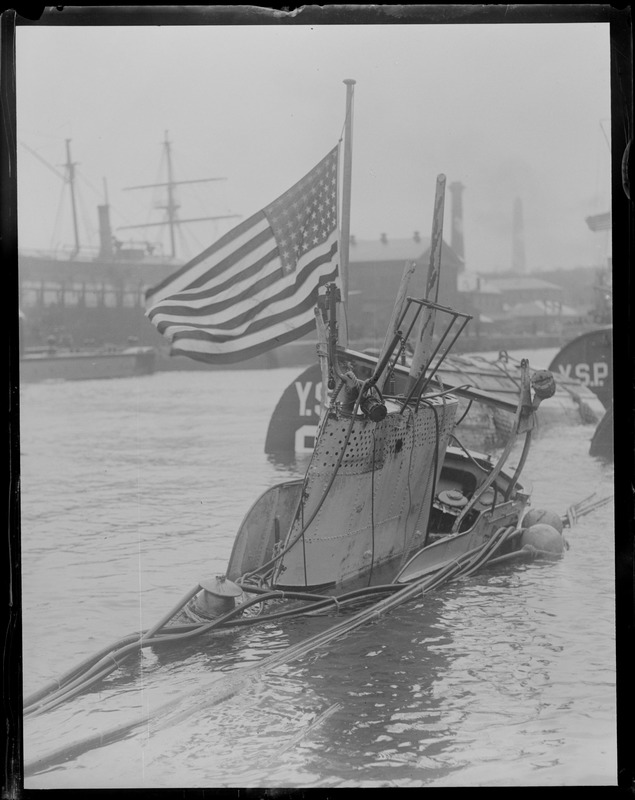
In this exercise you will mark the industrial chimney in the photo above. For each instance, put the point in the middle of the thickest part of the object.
(105, 232)
(456, 222)
(518, 238)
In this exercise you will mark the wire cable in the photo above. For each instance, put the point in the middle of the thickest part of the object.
(372, 509)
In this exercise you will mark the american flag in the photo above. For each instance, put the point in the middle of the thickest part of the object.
(256, 287)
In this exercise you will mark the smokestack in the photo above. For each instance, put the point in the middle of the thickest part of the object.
(105, 232)
(456, 220)
(518, 241)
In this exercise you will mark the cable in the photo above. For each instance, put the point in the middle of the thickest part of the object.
(462, 566)
(464, 414)
(435, 471)
(105, 661)
(294, 652)
(468, 454)
(54, 685)
(372, 510)
(108, 659)
(108, 663)
(406, 546)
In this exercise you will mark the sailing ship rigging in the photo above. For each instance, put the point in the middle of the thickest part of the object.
(109, 246)
(171, 207)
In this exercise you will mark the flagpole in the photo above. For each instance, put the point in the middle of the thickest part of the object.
(345, 233)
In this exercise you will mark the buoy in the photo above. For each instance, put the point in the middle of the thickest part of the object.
(543, 537)
(540, 516)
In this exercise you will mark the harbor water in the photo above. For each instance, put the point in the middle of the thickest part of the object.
(132, 491)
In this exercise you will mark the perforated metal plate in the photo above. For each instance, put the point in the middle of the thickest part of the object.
(379, 497)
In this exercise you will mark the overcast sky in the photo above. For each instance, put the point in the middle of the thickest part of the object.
(508, 110)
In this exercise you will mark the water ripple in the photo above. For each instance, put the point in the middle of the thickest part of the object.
(504, 678)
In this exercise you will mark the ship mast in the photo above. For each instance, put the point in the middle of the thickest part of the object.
(70, 177)
(172, 206)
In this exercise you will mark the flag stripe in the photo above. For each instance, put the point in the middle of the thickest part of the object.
(238, 344)
(226, 356)
(253, 325)
(255, 278)
(218, 254)
(262, 241)
(258, 305)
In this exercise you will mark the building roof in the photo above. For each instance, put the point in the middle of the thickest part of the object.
(541, 308)
(470, 282)
(515, 282)
(378, 250)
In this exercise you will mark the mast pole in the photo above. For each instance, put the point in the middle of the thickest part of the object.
(171, 207)
(70, 167)
(346, 199)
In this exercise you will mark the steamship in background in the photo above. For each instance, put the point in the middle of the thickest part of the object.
(81, 309)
